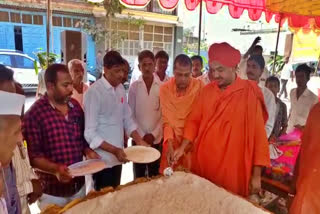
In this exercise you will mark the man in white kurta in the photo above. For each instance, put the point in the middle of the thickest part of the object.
(255, 68)
(302, 99)
(107, 113)
(144, 101)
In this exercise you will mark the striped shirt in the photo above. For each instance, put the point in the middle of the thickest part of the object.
(24, 172)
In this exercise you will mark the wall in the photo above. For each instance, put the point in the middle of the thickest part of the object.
(34, 36)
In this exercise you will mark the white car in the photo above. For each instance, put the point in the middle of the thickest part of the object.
(23, 68)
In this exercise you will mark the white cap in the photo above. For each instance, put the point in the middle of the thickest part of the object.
(11, 103)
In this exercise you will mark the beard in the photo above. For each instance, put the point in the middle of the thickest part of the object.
(62, 99)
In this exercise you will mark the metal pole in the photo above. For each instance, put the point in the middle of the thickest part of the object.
(200, 26)
(276, 52)
(48, 28)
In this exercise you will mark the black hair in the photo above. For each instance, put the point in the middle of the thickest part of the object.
(197, 57)
(258, 47)
(51, 74)
(125, 62)
(304, 68)
(183, 60)
(112, 58)
(259, 60)
(273, 79)
(145, 54)
(6, 74)
(162, 54)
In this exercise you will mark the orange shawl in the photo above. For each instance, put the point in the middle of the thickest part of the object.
(231, 139)
(308, 185)
(175, 110)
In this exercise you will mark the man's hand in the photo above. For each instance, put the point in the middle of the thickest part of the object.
(255, 185)
(149, 138)
(121, 156)
(272, 139)
(299, 127)
(90, 154)
(143, 143)
(125, 141)
(37, 191)
(170, 153)
(62, 174)
(137, 138)
(257, 40)
(178, 153)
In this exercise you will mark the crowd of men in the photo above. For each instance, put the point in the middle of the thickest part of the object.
(215, 124)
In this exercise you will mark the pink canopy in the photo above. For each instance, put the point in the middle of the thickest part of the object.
(255, 9)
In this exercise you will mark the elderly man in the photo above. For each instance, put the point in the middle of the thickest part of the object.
(177, 97)
(255, 67)
(76, 68)
(28, 184)
(10, 135)
(53, 129)
(107, 113)
(231, 146)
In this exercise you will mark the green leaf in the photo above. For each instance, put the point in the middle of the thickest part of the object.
(35, 67)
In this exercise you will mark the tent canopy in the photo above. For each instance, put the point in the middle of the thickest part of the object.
(299, 13)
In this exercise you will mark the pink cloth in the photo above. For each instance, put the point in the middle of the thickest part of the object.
(79, 97)
(295, 135)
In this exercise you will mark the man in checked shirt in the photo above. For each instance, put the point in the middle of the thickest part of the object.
(53, 129)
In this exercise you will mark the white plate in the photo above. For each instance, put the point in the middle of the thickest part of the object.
(142, 154)
(86, 167)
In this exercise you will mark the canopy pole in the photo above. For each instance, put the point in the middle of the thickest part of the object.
(200, 26)
(277, 44)
(48, 28)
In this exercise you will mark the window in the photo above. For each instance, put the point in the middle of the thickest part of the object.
(67, 22)
(168, 48)
(159, 37)
(23, 62)
(5, 60)
(167, 38)
(147, 45)
(26, 19)
(168, 30)
(76, 23)
(56, 21)
(38, 20)
(4, 16)
(15, 17)
(128, 47)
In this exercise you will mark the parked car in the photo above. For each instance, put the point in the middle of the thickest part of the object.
(91, 78)
(23, 68)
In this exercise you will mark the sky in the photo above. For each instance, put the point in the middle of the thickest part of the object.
(218, 28)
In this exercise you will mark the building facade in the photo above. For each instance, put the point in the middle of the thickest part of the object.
(23, 27)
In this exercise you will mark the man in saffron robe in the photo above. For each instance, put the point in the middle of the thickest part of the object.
(307, 172)
(230, 145)
(176, 99)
